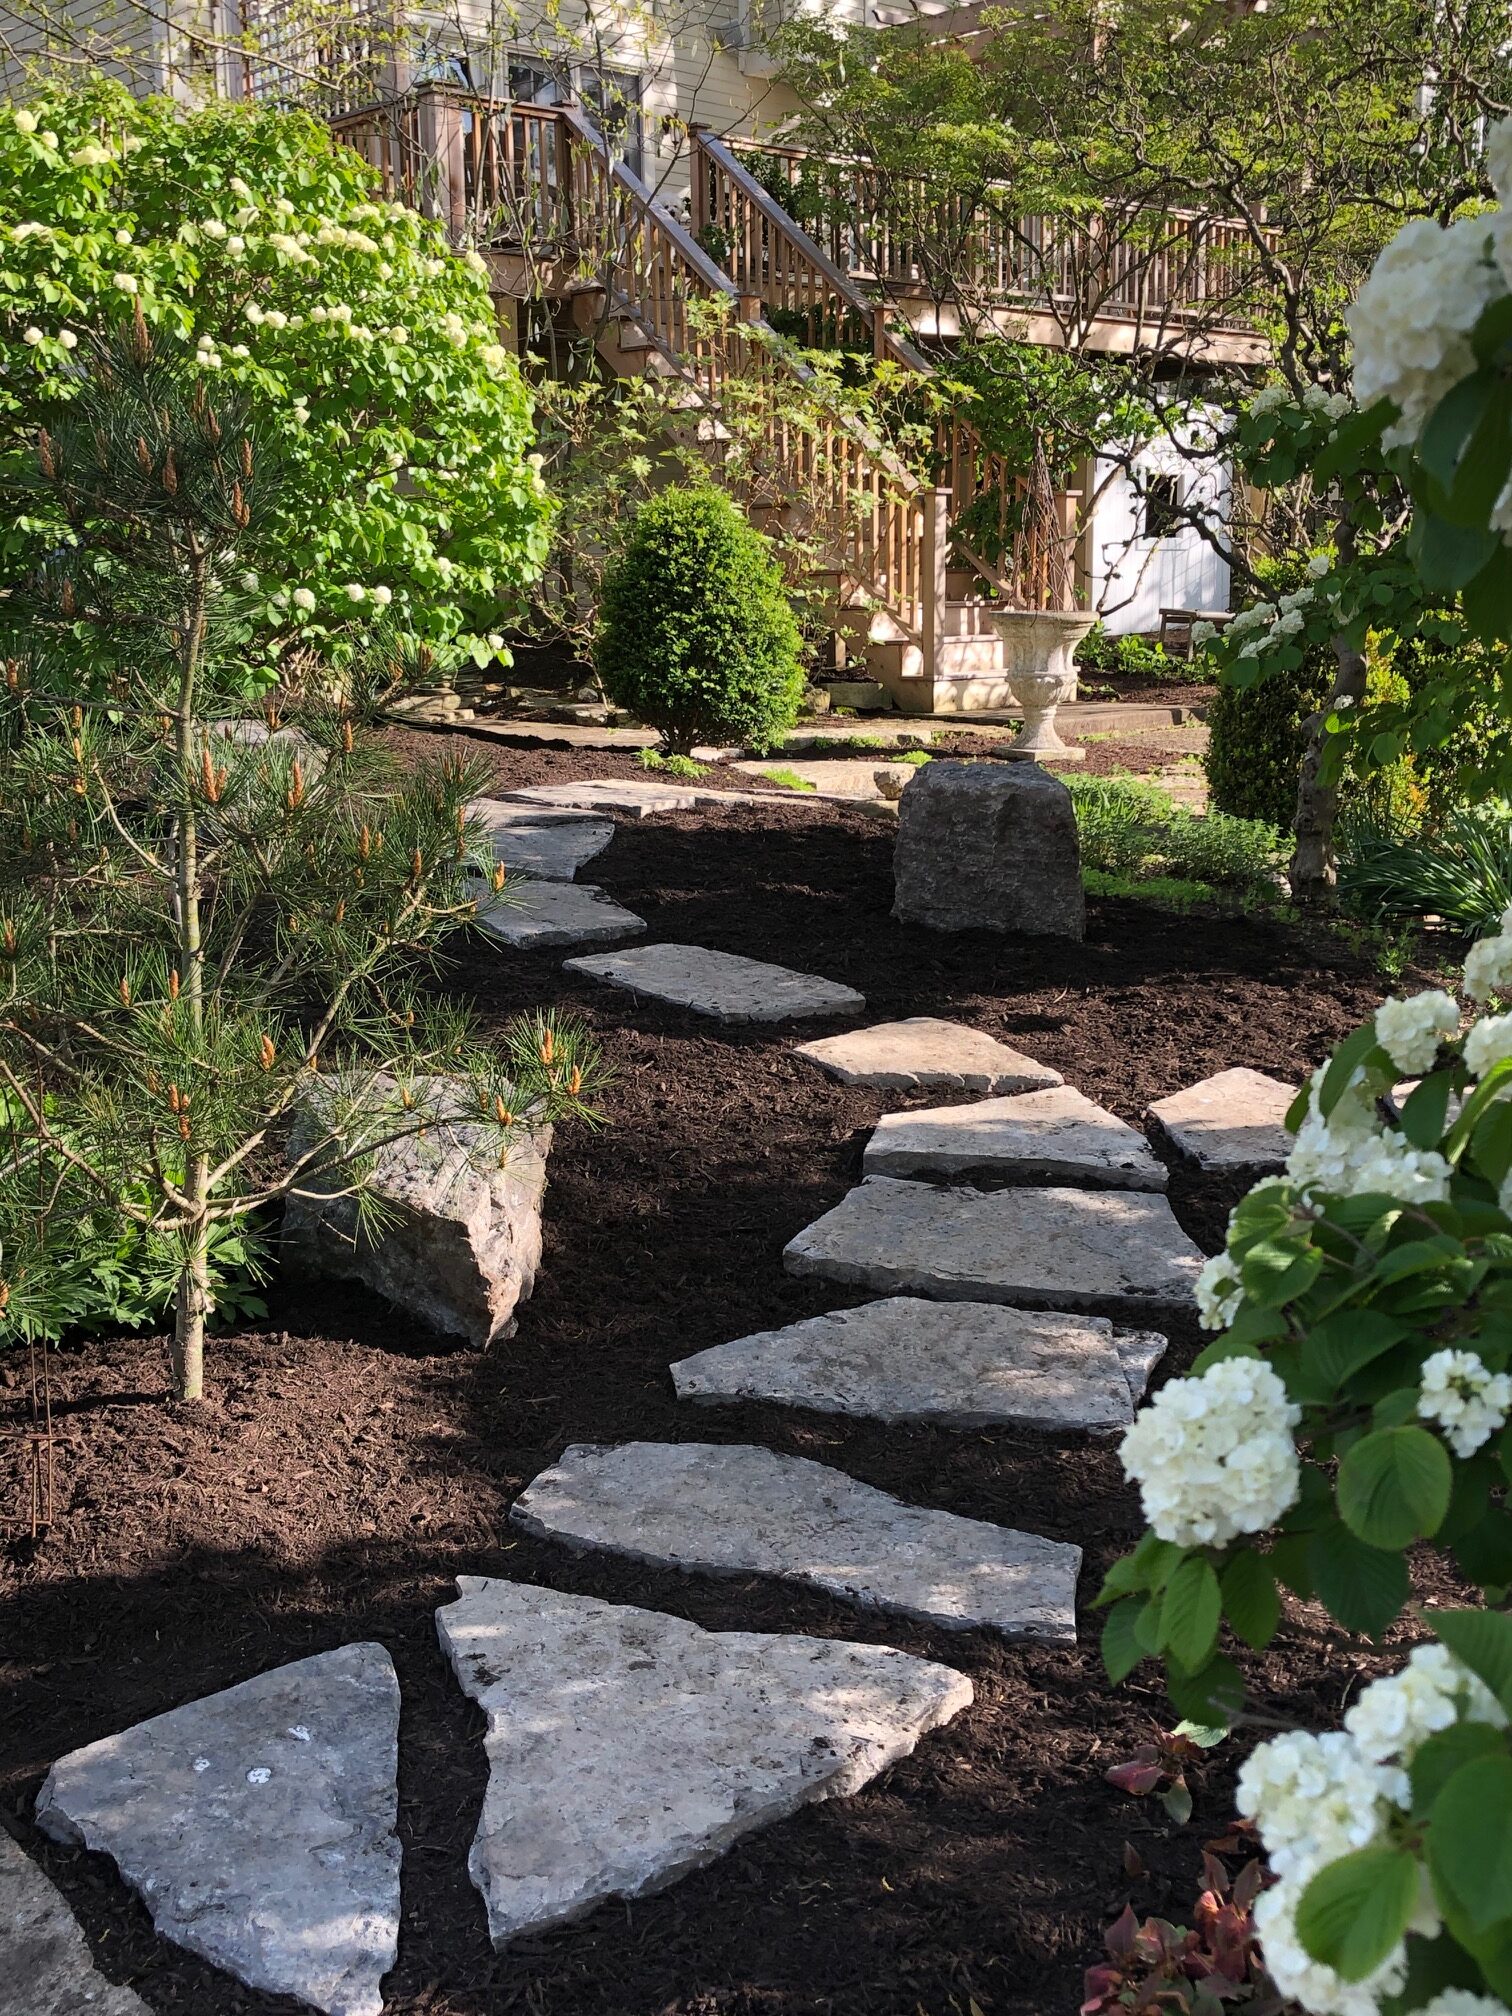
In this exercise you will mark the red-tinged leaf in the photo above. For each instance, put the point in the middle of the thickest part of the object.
(1122, 1936)
(1136, 1778)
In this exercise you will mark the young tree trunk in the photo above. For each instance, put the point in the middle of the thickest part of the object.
(1314, 870)
(190, 1311)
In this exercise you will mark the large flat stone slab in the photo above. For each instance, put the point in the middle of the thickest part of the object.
(631, 797)
(552, 851)
(460, 1239)
(1055, 1136)
(626, 1747)
(1116, 1253)
(924, 1054)
(959, 1364)
(732, 1509)
(1233, 1122)
(541, 915)
(45, 1964)
(257, 1825)
(720, 984)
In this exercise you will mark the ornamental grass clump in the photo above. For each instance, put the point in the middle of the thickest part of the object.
(209, 925)
(696, 636)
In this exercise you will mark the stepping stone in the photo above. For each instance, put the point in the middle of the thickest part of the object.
(960, 1364)
(733, 1509)
(627, 795)
(1117, 1253)
(541, 915)
(730, 989)
(626, 1747)
(553, 851)
(1229, 1123)
(924, 1054)
(45, 1965)
(1055, 1136)
(257, 1825)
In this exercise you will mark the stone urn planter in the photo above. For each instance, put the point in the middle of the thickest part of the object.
(1037, 647)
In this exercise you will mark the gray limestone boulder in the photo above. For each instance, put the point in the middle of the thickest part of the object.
(257, 1825)
(989, 847)
(45, 1963)
(460, 1238)
(626, 1747)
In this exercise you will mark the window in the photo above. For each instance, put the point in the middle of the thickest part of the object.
(1162, 507)
(612, 100)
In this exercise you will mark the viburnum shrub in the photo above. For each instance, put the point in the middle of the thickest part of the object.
(257, 248)
(696, 636)
(209, 925)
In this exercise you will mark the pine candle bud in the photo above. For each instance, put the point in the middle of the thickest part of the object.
(502, 1113)
(266, 1053)
(548, 1047)
(125, 992)
(173, 985)
(498, 877)
(296, 791)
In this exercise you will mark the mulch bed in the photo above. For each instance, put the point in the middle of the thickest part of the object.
(346, 1466)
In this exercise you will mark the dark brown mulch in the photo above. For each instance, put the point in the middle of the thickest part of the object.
(346, 1467)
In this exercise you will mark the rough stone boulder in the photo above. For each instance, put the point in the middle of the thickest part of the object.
(989, 847)
(460, 1239)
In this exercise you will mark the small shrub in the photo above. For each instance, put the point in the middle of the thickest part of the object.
(790, 778)
(1462, 873)
(671, 766)
(1132, 831)
(1137, 656)
(696, 637)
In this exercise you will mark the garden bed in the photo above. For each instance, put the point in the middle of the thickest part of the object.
(346, 1467)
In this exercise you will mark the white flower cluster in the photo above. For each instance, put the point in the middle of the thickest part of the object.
(1411, 1030)
(1219, 1293)
(1351, 1153)
(1271, 398)
(1213, 1456)
(1463, 2002)
(1488, 964)
(1412, 319)
(206, 355)
(1465, 1397)
(1489, 1042)
(1316, 1798)
(1279, 620)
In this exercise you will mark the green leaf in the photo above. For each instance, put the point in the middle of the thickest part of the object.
(1346, 1060)
(1450, 556)
(1361, 1586)
(1450, 425)
(1470, 1840)
(1121, 1649)
(1275, 1272)
(1394, 1487)
(1437, 1760)
(1190, 1613)
(1212, 1696)
(1341, 1345)
(1355, 1910)
(1483, 1640)
(1250, 1601)
(1427, 1109)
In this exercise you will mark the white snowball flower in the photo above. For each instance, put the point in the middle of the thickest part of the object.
(213, 228)
(355, 592)
(123, 237)
(1412, 319)
(249, 582)
(1318, 1988)
(236, 245)
(1396, 1715)
(239, 188)
(276, 319)
(1289, 624)
(1488, 966)
(32, 335)
(253, 313)
(495, 641)
(1338, 404)
(1319, 565)
(1351, 1154)
(127, 282)
(383, 596)
(91, 156)
(1468, 1401)
(68, 339)
(1213, 1456)
(26, 122)
(1268, 399)
(303, 599)
(240, 350)
(1203, 633)
(1411, 1030)
(48, 137)
(1315, 1798)
(1489, 1042)
(1218, 1293)
(1464, 2001)
(496, 357)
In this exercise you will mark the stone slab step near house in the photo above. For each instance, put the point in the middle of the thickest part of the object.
(913, 585)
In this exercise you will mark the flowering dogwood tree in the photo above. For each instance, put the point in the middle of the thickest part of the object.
(368, 352)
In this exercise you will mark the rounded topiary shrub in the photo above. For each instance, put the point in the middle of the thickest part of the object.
(696, 637)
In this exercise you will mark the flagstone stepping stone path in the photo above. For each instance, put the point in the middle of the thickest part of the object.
(1229, 1124)
(719, 984)
(924, 1054)
(958, 1364)
(541, 915)
(257, 1825)
(626, 1747)
(1114, 1252)
(1055, 1136)
(552, 850)
(45, 1964)
(735, 1509)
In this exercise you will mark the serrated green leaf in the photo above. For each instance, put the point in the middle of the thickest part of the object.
(1355, 1910)
(1362, 1586)
(1190, 1613)
(1483, 1640)
(1250, 1601)
(1394, 1485)
(1121, 1649)
(1470, 1840)
(1341, 1345)
(1212, 1696)
(1437, 1760)
(1427, 1109)
(1347, 1059)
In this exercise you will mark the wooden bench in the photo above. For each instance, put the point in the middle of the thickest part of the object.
(1176, 628)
